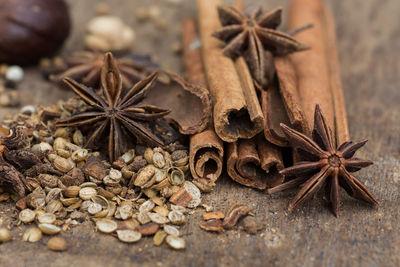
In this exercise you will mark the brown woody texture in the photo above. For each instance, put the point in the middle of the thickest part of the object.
(206, 148)
(311, 66)
(234, 115)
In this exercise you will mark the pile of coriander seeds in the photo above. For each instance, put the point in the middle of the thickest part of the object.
(146, 192)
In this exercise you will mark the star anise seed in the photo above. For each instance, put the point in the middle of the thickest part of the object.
(116, 110)
(251, 36)
(324, 164)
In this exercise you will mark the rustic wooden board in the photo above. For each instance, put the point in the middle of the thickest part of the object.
(369, 41)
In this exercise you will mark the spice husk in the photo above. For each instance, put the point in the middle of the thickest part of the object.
(206, 148)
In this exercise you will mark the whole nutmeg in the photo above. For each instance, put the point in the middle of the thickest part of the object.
(32, 29)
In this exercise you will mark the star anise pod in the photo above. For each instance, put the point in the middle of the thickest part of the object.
(251, 36)
(325, 164)
(85, 67)
(115, 113)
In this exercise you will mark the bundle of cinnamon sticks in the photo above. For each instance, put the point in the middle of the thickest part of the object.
(246, 121)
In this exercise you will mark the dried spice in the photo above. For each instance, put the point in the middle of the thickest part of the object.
(14, 160)
(213, 215)
(213, 225)
(252, 36)
(85, 67)
(118, 111)
(324, 165)
(237, 112)
(233, 215)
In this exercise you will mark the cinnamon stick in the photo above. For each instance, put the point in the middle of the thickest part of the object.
(275, 113)
(254, 163)
(339, 104)
(318, 73)
(311, 66)
(287, 80)
(235, 112)
(206, 149)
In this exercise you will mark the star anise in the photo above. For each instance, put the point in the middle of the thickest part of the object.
(116, 110)
(325, 164)
(85, 67)
(251, 36)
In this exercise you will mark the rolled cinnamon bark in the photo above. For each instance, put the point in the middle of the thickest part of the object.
(339, 104)
(318, 72)
(206, 149)
(287, 83)
(274, 113)
(254, 163)
(311, 66)
(234, 116)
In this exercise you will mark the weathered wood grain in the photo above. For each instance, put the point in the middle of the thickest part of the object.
(369, 41)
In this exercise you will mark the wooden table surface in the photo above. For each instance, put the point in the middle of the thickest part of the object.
(369, 45)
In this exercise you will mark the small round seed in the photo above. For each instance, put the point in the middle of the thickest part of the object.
(195, 192)
(129, 236)
(49, 229)
(32, 234)
(57, 244)
(125, 211)
(46, 218)
(128, 156)
(175, 242)
(171, 230)
(115, 174)
(158, 160)
(146, 206)
(176, 217)
(87, 193)
(106, 225)
(94, 208)
(177, 177)
(148, 155)
(27, 215)
(59, 143)
(41, 148)
(159, 237)
(157, 218)
(78, 138)
(72, 191)
(143, 217)
(54, 206)
(5, 235)
(79, 155)
(63, 165)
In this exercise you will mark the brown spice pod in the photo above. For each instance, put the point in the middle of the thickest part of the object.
(190, 104)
